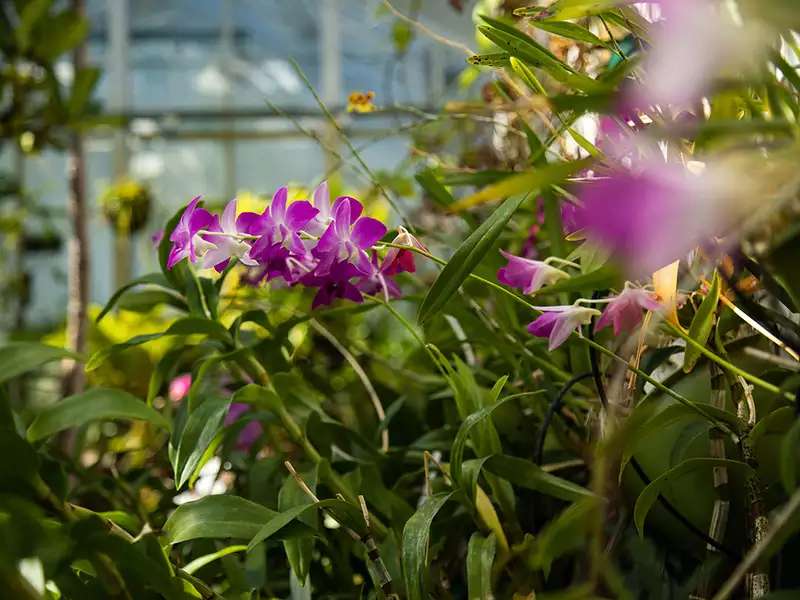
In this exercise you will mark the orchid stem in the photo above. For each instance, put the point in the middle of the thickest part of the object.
(757, 381)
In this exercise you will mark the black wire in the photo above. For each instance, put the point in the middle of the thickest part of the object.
(670, 508)
(554, 407)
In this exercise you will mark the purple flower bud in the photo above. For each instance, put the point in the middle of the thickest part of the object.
(526, 274)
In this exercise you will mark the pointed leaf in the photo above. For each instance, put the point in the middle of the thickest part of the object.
(17, 358)
(94, 405)
(466, 258)
(416, 535)
(703, 321)
(651, 492)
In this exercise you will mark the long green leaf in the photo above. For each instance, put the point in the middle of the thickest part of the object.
(480, 557)
(466, 258)
(201, 561)
(527, 182)
(185, 326)
(788, 457)
(218, 517)
(701, 325)
(156, 279)
(524, 473)
(602, 278)
(416, 535)
(457, 451)
(93, 405)
(17, 358)
(202, 426)
(570, 31)
(650, 493)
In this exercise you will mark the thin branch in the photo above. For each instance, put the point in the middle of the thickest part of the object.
(425, 30)
(361, 374)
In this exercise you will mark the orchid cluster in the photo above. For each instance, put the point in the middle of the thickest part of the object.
(325, 246)
(623, 311)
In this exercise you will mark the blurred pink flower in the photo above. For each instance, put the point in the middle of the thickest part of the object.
(694, 42)
(624, 311)
(650, 217)
(250, 432)
(179, 387)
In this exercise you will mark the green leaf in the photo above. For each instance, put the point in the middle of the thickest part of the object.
(457, 451)
(788, 457)
(428, 181)
(466, 258)
(494, 59)
(17, 358)
(30, 15)
(570, 31)
(201, 561)
(522, 46)
(185, 326)
(480, 557)
(217, 517)
(524, 473)
(526, 183)
(156, 279)
(564, 534)
(93, 405)
(202, 426)
(701, 325)
(344, 512)
(416, 534)
(81, 92)
(651, 492)
(59, 34)
(599, 279)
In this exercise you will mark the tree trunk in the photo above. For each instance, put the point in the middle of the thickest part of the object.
(77, 246)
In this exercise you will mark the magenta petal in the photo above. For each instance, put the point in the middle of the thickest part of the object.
(298, 214)
(356, 208)
(543, 326)
(249, 223)
(605, 319)
(175, 256)
(342, 219)
(367, 231)
(277, 209)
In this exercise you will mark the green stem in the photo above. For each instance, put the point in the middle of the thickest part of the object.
(757, 381)
(661, 387)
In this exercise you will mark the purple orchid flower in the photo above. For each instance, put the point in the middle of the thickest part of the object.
(334, 284)
(378, 281)
(650, 218)
(250, 432)
(686, 54)
(279, 226)
(557, 323)
(526, 274)
(186, 243)
(348, 237)
(226, 237)
(323, 218)
(624, 311)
